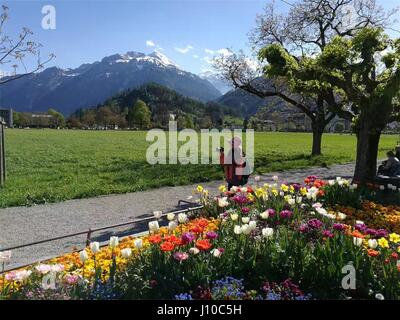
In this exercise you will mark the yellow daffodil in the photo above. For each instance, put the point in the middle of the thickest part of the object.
(284, 188)
(303, 191)
(199, 189)
(394, 237)
(383, 243)
(222, 188)
(275, 192)
(260, 192)
(291, 189)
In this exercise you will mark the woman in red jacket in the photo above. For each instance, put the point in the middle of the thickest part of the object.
(233, 163)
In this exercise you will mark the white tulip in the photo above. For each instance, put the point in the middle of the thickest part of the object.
(243, 189)
(138, 243)
(379, 296)
(357, 241)
(341, 216)
(172, 225)
(234, 216)
(353, 187)
(237, 229)
(257, 178)
(246, 229)
(194, 251)
(234, 189)
(182, 218)
(253, 225)
(359, 222)
(275, 178)
(126, 253)
(264, 215)
(331, 182)
(153, 226)
(22, 275)
(216, 253)
(83, 256)
(372, 243)
(114, 241)
(267, 232)
(382, 187)
(299, 200)
(223, 202)
(170, 216)
(291, 201)
(245, 219)
(157, 214)
(95, 247)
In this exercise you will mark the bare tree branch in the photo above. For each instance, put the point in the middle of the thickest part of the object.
(13, 52)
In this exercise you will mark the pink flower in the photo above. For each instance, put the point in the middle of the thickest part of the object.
(20, 275)
(181, 256)
(43, 268)
(71, 279)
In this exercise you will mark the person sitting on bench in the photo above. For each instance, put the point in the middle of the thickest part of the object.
(390, 167)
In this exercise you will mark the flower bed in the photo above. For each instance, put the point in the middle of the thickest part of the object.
(267, 242)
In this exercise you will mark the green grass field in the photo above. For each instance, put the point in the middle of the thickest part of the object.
(50, 165)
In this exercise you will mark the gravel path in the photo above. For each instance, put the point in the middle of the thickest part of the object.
(20, 225)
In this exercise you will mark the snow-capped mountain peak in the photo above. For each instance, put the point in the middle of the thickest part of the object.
(67, 89)
(163, 58)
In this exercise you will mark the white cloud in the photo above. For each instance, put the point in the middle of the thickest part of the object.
(195, 56)
(208, 59)
(150, 43)
(224, 52)
(184, 50)
(209, 51)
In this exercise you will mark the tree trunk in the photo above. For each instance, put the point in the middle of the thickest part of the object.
(317, 141)
(367, 153)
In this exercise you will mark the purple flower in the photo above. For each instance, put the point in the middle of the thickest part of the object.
(211, 235)
(188, 237)
(361, 227)
(372, 232)
(245, 210)
(304, 228)
(339, 227)
(382, 233)
(240, 199)
(296, 186)
(271, 212)
(315, 224)
(286, 214)
(327, 234)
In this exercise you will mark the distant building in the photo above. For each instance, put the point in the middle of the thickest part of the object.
(7, 115)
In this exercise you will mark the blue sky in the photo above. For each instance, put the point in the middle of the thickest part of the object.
(186, 31)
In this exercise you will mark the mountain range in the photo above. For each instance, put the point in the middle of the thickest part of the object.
(92, 83)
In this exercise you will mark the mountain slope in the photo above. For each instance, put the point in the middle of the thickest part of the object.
(218, 83)
(91, 84)
(163, 102)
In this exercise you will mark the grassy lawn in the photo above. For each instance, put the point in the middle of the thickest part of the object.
(49, 165)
